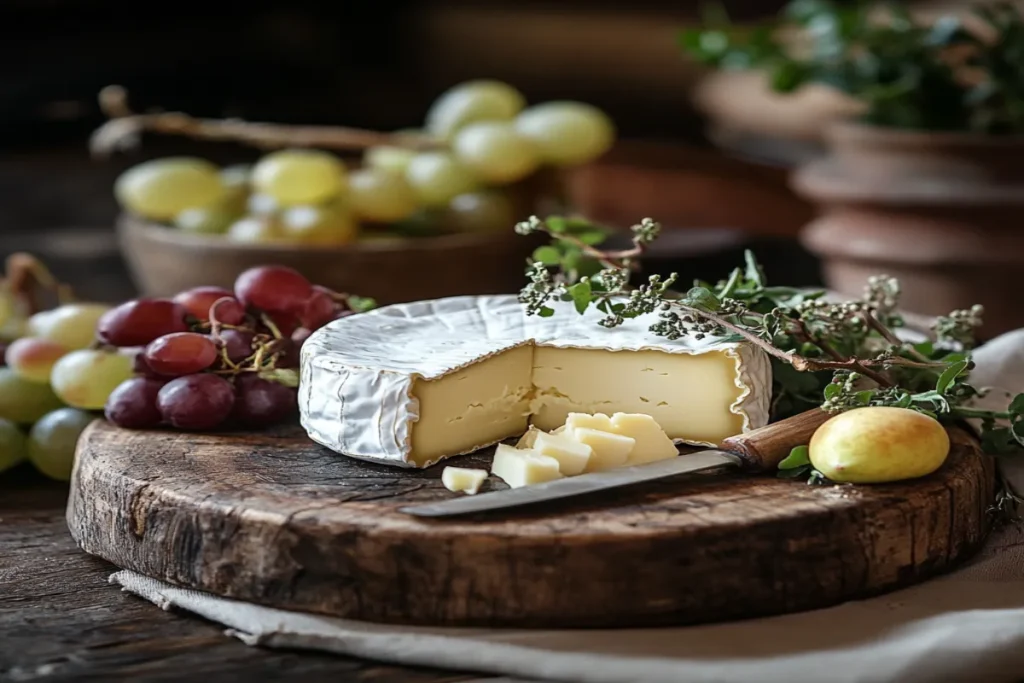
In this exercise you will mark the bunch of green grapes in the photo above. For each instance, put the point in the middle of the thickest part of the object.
(487, 138)
(51, 379)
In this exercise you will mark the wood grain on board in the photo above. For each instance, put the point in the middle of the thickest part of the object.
(275, 519)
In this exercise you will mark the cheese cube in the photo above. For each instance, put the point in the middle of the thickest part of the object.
(609, 450)
(572, 456)
(523, 467)
(652, 444)
(463, 479)
(598, 421)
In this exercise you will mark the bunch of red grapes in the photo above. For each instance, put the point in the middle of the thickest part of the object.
(212, 358)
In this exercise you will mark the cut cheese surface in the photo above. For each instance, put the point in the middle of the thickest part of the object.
(412, 384)
(522, 467)
(572, 455)
(598, 421)
(609, 450)
(463, 479)
(479, 404)
(652, 444)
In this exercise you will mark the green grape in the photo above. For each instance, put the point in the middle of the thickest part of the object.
(13, 446)
(567, 133)
(86, 377)
(480, 212)
(388, 158)
(73, 326)
(22, 401)
(236, 180)
(436, 177)
(495, 152)
(262, 205)
(318, 225)
(299, 176)
(52, 441)
(477, 100)
(380, 195)
(162, 188)
(256, 230)
(209, 220)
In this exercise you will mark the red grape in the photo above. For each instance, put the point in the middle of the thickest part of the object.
(199, 300)
(237, 343)
(196, 402)
(260, 402)
(274, 289)
(133, 403)
(181, 353)
(318, 310)
(300, 335)
(140, 321)
(285, 324)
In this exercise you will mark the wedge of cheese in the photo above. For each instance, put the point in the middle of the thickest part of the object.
(650, 441)
(412, 384)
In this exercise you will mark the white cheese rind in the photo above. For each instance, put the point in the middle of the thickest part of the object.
(358, 373)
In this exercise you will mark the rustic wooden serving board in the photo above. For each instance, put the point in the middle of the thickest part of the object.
(273, 518)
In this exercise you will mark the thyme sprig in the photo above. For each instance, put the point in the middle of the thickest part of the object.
(827, 354)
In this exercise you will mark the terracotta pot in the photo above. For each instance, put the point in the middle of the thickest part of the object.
(939, 211)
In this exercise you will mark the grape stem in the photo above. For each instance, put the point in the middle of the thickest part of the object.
(26, 275)
(125, 126)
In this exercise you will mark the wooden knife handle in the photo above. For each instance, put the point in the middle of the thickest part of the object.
(763, 449)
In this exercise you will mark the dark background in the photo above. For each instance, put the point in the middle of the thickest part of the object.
(375, 65)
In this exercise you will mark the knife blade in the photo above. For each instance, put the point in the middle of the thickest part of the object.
(758, 450)
(574, 486)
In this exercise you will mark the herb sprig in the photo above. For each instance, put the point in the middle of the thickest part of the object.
(949, 74)
(832, 355)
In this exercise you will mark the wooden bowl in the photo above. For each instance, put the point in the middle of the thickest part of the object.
(164, 261)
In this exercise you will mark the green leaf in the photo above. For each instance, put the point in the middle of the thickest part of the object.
(754, 272)
(798, 457)
(557, 224)
(592, 237)
(949, 375)
(286, 376)
(1017, 429)
(546, 312)
(905, 401)
(794, 473)
(548, 255)
(703, 299)
(832, 390)
(580, 293)
(1017, 405)
(361, 304)
(864, 397)
(925, 348)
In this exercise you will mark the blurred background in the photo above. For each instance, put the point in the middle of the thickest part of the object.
(378, 66)
(711, 154)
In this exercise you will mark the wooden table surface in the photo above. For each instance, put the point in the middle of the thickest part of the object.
(60, 620)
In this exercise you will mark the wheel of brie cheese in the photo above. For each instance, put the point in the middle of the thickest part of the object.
(412, 384)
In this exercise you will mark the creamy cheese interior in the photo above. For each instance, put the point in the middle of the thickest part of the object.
(688, 395)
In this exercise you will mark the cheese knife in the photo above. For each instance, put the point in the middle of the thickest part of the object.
(757, 451)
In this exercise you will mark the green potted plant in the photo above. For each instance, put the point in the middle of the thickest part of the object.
(926, 183)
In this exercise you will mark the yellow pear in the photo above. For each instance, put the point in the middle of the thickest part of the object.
(878, 444)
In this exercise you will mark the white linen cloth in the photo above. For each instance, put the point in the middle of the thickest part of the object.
(965, 626)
